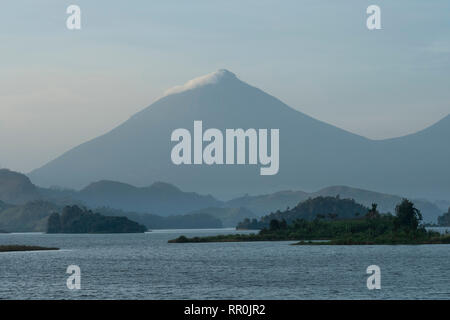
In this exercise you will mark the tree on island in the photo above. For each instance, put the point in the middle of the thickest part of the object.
(373, 212)
(407, 216)
(277, 225)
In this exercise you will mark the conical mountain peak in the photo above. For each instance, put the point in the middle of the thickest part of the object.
(313, 154)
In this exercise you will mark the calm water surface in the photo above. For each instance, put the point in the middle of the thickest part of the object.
(145, 266)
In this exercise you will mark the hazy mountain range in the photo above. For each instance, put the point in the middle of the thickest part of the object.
(313, 154)
(151, 205)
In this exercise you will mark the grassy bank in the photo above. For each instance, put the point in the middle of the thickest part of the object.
(350, 239)
(12, 248)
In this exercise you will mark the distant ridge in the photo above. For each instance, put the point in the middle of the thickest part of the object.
(159, 198)
(165, 199)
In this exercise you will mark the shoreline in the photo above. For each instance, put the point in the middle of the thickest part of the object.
(371, 243)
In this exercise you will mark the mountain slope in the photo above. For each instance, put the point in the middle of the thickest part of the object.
(4, 206)
(229, 217)
(16, 188)
(153, 221)
(264, 204)
(31, 217)
(159, 198)
(415, 164)
(313, 154)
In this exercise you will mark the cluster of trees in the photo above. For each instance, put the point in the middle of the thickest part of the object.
(407, 218)
(74, 219)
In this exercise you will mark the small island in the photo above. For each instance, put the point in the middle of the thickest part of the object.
(74, 219)
(341, 226)
(13, 248)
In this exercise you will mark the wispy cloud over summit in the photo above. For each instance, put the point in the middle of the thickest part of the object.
(210, 78)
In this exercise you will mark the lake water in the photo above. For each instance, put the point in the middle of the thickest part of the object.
(145, 266)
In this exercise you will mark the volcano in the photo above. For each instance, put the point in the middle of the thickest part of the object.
(312, 154)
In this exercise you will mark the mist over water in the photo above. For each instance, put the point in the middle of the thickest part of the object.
(145, 266)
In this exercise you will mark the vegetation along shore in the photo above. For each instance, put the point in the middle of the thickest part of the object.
(339, 221)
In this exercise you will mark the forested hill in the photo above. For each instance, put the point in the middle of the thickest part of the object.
(77, 220)
(320, 207)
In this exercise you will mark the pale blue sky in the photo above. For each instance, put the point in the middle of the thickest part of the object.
(59, 88)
